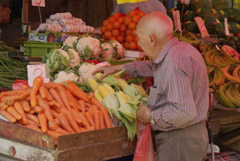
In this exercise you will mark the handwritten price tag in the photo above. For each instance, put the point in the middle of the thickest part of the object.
(226, 27)
(185, 2)
(177, 21)
(40, 3)
(202, 27)
(37, 70)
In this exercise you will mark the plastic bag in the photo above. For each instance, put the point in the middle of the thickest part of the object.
(19, 84)
(144, 149)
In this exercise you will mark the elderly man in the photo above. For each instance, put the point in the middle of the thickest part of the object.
(178, 100)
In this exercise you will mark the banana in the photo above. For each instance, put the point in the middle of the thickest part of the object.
(235, 92)
(209, 69)
(236, 71)
(230, 58)
(221, 77)
(215, 78)
(229, 95)
(212, 57)
(222, 97)
(219, 61)
(228, 76)
(206, 58)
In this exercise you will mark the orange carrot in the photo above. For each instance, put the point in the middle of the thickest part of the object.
(83, 129)
(88, 104)
(53, 126)
(84, 120)
(4, 107)
(96, 119)
(102, 124)
(73, 122)
(90, 95)
(76, 91)
(89, 118)
(92, 109)
(63, 95)
(38, 109)
(55, 114)
(48, 96)
(11, 98)
(62, 131)
(30, 122)
(26, 106)
(64, 122)
(57, 121)
(32, 117)
(43, 92)
(33, 127)
(31, 112)
(26, 92)
(107, 119)
(8, 116)
(76, 116)
(19, 108)
(56, 96)
(56, 104)
(14, 113)
(37, 82)
(50, 85)
(46, 109)
(82, 105)
(72, 100)
(53, 133)
(94, 101)
(51, 104)
(43, 122)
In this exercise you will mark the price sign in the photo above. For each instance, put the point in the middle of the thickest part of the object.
(185, 2)
(202, 27)
(226, 27)
(40, 3)
(37, 70)
(177, 21)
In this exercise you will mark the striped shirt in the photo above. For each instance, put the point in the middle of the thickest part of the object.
(179, 96)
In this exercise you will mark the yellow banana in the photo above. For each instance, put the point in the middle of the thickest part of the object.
(236, 71)
(215, 78)
(220, 77)
(228, 76)
(235, 92)
(207, 58)
(229, 95)
(219, 61)
(222, 97)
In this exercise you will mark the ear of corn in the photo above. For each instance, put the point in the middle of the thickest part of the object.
(98, 95)
(98, 75)
(103, 91)
(122, 83)
(92, 84)
(109, 88)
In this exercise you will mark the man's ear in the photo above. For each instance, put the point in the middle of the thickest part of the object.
(153, 40)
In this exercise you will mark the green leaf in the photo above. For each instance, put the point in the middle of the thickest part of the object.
(65, 61)
(71, 55)
(88, 52)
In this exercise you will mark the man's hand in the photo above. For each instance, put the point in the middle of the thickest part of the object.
(143, 114)
(108, 70)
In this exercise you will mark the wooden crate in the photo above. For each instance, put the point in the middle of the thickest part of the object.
(26, 144)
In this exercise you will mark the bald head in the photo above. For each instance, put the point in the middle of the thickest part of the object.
(156, 23)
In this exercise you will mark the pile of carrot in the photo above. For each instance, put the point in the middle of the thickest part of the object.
(54, 109)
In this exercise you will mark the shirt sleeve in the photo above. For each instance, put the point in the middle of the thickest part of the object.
(181, 107)
(141, 68)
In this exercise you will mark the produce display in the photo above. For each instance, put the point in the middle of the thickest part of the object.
(10, 69)
(54, 109)
(65, 22)
(120, 98)
(65, 63)
(122, 28)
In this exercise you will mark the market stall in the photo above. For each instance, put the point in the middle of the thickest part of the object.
(68, 113)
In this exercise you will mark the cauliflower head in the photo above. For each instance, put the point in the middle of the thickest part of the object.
(63, 77)
(86, 70)
(70, 41)
(107, 51)
(118, 47)
(74, 58)
(88, 47)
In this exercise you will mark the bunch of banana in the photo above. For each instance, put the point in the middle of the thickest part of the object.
(229, 95)
(187, 37)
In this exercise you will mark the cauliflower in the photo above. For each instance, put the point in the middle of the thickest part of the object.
(88, 47)
(70, 41)
(118, 47)
(86, 69)
(63, 77)
(107, 51)
(74, 58)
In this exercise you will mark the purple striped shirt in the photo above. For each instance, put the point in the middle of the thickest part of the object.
(179, 96)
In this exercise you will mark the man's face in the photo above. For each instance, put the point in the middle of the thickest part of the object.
(145, 42)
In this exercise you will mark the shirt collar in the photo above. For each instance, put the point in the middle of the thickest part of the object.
(165, 50)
